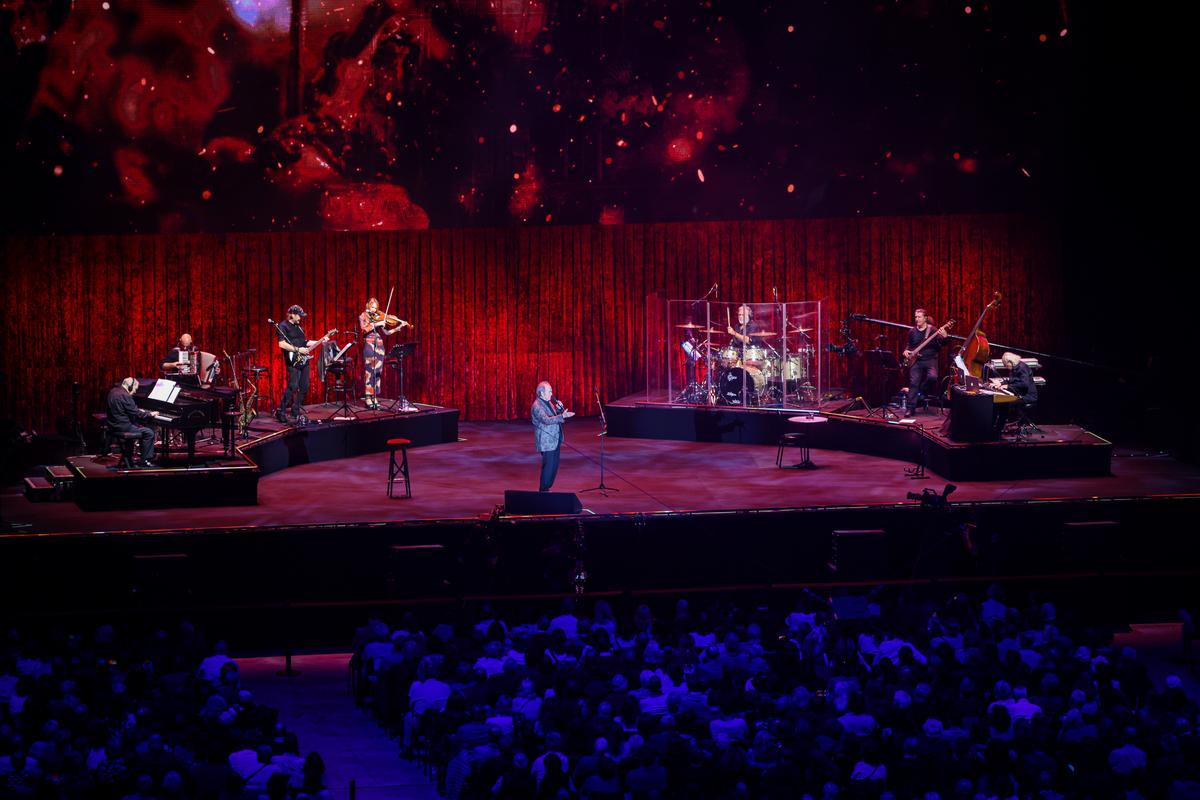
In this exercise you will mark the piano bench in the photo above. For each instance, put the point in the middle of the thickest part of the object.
(127, 440)
(398, 470)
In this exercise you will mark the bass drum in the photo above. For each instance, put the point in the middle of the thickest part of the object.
(733, 381)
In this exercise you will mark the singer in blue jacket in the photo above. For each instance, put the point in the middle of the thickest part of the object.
(548, 415)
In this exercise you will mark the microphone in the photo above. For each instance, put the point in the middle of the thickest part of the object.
(859, 317)
(711, 290)
(271, 321)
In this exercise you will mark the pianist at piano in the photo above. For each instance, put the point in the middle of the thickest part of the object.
(1020, 381)
(124, 416)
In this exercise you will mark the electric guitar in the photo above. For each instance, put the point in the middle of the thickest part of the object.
(297, 359)
(911, 358)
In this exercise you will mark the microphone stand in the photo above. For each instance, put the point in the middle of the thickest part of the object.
(602, 488)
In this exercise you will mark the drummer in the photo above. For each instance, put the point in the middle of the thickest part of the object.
(743, 334)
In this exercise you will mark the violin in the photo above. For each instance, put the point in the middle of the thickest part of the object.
(391, 320)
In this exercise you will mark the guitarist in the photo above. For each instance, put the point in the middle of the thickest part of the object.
(293, 341)
(924, 369)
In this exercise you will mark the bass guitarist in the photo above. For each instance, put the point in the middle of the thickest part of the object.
(296, 349)
(923, 342)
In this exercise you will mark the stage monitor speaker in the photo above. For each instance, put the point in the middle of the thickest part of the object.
(519, 503)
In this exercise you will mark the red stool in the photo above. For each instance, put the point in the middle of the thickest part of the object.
(398, 469)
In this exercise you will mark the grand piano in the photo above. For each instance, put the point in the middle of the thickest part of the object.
(195, 408)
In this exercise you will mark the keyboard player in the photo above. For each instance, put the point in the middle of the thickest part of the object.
(124, 415)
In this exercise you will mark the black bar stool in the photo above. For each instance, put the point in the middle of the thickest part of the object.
(794, 440)
(398, 470)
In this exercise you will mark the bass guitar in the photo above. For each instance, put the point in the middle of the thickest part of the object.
(298, 359)
(975, 351)
(911, 358)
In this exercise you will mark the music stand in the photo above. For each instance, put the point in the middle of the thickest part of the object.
(602, 488)
(338, 367)
(397, 355)
(880, 363)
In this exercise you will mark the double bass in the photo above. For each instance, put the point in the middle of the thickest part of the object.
(975, 351)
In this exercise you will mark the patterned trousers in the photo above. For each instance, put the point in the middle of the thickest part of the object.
(372, 363)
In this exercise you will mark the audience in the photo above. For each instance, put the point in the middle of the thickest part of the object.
(114, 715)
(955, 699)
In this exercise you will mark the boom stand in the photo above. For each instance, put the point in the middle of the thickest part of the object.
(398, 353)
(602, 488)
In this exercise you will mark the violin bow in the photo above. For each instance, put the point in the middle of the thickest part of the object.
(389, 302)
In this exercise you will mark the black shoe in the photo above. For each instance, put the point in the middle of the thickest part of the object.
(281, 416)
(144, 464)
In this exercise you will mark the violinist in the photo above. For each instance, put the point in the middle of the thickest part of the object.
(375, 324)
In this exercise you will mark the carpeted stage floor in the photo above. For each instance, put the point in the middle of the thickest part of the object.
(468, 479)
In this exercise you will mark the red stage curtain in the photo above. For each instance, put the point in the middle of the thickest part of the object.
(496, 310)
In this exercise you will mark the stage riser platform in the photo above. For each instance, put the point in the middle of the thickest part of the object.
(233, 481)
(162, 488)
(327, 441)
(357, 563)
(1087, 457)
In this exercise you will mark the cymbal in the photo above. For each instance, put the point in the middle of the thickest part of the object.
(763, 333)
(691, 325)
(798, 329)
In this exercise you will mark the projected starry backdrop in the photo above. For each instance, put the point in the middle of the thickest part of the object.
(213, 115)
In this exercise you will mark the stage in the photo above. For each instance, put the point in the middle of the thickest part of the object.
(466, 478)
(1053, 451)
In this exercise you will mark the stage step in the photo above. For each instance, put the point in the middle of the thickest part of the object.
(59, 473)
(63, 479)
(39, 490)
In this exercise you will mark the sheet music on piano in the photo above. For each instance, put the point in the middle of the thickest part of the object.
(165, 391)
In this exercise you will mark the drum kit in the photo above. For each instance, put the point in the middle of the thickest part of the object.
(751, 374)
